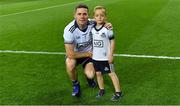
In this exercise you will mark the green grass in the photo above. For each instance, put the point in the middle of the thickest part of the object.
(149, 27)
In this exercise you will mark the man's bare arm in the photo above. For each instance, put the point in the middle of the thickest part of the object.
(70, 53)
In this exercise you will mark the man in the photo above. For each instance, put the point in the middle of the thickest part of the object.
(78, 46)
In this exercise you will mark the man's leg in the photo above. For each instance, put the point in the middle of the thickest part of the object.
(70, 66)
(90, 73)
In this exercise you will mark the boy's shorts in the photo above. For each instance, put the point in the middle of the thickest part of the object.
(103, 66)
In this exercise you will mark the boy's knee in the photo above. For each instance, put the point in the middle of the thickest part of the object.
(112, 74)
(98, 73)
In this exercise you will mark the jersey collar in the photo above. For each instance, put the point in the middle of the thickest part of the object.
(99, 28)
(83, 30)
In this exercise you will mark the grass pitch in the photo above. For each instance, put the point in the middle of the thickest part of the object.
(148, 27)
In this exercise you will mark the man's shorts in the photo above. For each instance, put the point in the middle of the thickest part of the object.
(83, 61)
(103, 66)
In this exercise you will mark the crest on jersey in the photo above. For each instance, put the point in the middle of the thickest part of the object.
(77, 37)
(103, 35)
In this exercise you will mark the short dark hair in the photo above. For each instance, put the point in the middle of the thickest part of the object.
(81, 6)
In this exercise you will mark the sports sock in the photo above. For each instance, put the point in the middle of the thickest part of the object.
(75, 82)
(90, 80)
(118, 93)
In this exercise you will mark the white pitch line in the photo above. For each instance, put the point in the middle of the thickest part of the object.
(45, 8)
(31, 52)
(148, 56)
(62, 53)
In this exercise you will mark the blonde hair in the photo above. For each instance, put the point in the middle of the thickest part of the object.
(101, 8)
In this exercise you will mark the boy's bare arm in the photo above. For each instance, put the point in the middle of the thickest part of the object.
(112, 47)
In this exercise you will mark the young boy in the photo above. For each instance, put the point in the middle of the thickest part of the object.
(103, 49)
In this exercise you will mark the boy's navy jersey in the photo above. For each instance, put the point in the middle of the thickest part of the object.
(101, 43)
(81, 39)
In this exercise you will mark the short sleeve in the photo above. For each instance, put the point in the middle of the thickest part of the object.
(110, 34)
(68, 36)
(92, 22)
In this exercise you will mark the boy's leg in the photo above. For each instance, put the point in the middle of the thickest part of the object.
(100, 81)
(115, 81)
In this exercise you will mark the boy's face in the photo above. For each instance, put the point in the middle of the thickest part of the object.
(81, 16)
(99, 16)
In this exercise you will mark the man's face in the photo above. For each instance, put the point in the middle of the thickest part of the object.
(81, 16)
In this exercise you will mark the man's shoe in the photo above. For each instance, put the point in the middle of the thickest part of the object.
(116, 96)
(100, 93)
(91, 83)
(76, 90)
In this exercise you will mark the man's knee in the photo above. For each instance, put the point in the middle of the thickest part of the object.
(89, 70)
(70, 64)
(89, 74)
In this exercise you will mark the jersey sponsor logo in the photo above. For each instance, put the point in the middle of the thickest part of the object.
(81, 46)
(98, 43)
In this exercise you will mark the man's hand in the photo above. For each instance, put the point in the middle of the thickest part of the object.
(70, 53)
(86, 54)
(89, 54)
(108, 26)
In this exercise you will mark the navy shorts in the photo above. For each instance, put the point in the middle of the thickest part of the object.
(83, 61)
(103, 66)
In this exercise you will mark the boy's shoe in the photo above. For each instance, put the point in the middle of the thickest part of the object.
(91, 83)
(100, 93)
(116, 96)
(76, 90)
